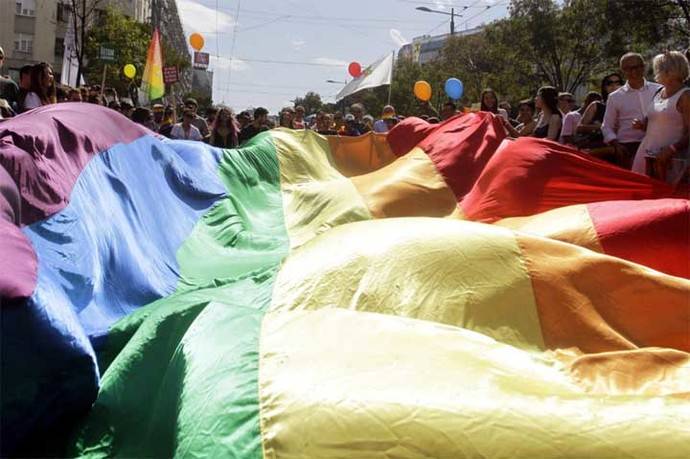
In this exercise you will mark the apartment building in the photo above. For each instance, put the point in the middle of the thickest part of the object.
(33, 31)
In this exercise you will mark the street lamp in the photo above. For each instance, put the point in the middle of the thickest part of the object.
(451, 14)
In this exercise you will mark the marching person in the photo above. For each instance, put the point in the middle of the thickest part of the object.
(42, 90)
(186, 130)
(667, 124)
(628, 103)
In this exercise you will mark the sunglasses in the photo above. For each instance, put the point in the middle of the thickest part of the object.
(613, 82)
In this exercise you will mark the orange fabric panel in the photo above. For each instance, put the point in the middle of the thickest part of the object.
(648, 371)
(360, 155)
(528, 176)
(600, 303)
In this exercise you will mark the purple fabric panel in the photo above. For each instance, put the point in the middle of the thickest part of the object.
(45, 150)
(18, 264)
(9, 198)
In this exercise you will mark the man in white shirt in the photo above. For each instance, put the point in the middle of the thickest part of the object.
(626, 104)
(186, 130)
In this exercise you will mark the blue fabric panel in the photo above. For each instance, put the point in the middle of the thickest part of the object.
(110, 251)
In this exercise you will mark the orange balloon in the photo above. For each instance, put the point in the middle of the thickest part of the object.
(197, 41)
(422, 90)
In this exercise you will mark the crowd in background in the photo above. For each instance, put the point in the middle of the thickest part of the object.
(634, 123)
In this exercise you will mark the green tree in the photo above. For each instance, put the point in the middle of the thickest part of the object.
(311, 102)
(130, 39)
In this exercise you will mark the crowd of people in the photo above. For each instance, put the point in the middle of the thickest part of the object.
(634, 123)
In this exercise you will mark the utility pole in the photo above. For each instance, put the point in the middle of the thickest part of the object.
(452, 21)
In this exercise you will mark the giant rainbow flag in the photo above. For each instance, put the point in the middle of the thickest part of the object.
(439, 292)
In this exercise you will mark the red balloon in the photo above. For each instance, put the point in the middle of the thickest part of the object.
(355, 69)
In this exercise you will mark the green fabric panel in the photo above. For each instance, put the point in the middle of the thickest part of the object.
(182, 372)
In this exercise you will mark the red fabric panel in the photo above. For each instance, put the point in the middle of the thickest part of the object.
(407, 134)
(462, 146)
(654, 233)
(530, 175)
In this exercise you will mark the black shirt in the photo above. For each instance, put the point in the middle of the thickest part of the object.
(250, 131)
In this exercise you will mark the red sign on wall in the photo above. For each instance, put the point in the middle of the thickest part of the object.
(170, 75)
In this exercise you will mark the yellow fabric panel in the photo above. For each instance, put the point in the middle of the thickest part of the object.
(340, 383)
(571, 224)
(316, 197)
(361, 154)
(454, 272)
(408, 187)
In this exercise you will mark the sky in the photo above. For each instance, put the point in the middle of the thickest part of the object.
(267, 52)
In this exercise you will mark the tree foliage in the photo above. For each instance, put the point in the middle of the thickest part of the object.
(311, 102)
(130, 39)
(566, 44)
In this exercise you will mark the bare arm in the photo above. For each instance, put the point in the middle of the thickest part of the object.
(585, 126)
(610, 118)
(555, 125)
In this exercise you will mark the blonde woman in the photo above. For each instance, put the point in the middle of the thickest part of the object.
(668, 120)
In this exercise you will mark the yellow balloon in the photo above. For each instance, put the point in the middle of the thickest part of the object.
(197, 41)
(422, 90)
(129, 71)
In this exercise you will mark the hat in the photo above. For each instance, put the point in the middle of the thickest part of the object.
(245, 114)
(388, 112)
(126, 103)
(191, 101)
(158, 107)
(349, 117)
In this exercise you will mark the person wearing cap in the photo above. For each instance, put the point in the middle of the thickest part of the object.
(387, 113)
(198, 122)
(259, 124)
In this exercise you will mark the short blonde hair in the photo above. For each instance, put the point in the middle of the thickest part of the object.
(672, 63)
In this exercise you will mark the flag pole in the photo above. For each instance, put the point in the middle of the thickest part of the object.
(390, 86)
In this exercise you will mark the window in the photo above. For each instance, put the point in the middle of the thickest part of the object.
(24, 43)
(63, 11)
(26, 7)
(59, 46)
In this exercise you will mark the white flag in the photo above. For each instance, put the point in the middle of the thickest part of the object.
(377, 74)
(70, 62)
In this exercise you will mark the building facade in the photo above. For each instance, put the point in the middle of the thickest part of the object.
(33, 31)
(426, 48)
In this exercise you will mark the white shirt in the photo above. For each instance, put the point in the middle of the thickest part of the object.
(623, 106)
(32, 101)
(178, 132)
(570, 122)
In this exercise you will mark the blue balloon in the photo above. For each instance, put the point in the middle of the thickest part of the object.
(454, 88)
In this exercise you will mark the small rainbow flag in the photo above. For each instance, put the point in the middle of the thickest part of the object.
(152, 82)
